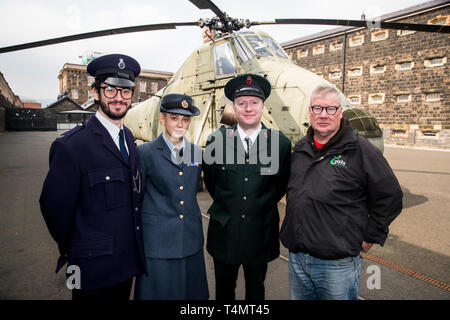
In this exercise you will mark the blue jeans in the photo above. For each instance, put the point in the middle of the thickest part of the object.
(312, 278)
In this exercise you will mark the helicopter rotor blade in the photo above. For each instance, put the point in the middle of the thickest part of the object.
(207, 4)
(95, 34)
(362, 23)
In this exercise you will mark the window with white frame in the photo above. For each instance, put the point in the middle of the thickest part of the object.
(356, 41)
(335, 74)
(433, 96)
(320, 49)
(143, 87)
(302, 53)
(335, 46)
(403, 98)
(154, 87)
(376, 69)
(440, 20)
(405, 32)
(376, 98)
(355, 72)
(355, 99)
(404, 65)
(379, 35)
(435, 62)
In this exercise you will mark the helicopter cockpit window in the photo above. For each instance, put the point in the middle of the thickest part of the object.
(223, 59)
(243, 51)
(258, 45)
(275, 47)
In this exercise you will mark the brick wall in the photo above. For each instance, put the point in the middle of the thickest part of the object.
(413, 97)
(76, 82)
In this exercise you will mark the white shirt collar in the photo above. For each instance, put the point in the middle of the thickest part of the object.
(170, 144)
(252, 137)
(112, 129)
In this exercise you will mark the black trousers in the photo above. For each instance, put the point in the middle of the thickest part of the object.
(120, 291)
(226, 276)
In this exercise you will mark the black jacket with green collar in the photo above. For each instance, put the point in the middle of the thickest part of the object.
(244, 225)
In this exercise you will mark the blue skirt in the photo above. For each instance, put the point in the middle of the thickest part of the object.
(173, 279)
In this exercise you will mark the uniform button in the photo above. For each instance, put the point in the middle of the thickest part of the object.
(181, 188)
(137, 228)
(136, 209)
(107, 178)
(181, 217)
(247, 160)
(182, 202)
(246, 179)
(180, 173)
(244, 197)
(223, 168)
(243, 216)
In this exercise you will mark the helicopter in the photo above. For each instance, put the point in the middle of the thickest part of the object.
(227, 52)
(206, 71)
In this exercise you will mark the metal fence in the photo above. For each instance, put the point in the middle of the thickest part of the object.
(23, 119)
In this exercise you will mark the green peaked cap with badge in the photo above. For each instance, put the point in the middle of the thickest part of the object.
(248, 85)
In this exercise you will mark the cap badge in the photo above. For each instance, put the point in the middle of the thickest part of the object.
(121, 64)
(249, 80)
(184, 104)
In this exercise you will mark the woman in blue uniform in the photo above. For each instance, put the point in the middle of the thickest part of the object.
(171, 218)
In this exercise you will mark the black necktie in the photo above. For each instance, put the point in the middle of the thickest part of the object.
(123, 150)
(178, 154)
(247, 141)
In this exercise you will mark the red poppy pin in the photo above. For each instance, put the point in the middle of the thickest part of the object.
(249, 80)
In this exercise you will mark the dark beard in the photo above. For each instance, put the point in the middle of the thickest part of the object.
(113, 116)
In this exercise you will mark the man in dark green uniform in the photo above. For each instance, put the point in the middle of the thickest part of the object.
(246, 170)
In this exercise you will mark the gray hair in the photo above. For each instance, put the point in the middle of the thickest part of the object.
(323, 91)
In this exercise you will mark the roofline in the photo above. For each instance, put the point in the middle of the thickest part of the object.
(63, 98)
(389, 17)
(144, 72)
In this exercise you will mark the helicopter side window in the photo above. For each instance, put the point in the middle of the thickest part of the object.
(223, 59)
(275, 47)
(258, 45)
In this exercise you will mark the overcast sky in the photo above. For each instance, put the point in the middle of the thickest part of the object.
(33, 73)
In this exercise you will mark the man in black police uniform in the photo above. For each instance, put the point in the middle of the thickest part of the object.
(244, 215)
(91, 196)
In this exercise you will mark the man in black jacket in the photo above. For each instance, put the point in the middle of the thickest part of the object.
(342, 195)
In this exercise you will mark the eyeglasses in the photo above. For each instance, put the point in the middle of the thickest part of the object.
(111, 92)
(331, 110)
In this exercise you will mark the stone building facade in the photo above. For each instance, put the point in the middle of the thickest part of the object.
(401, 77)
(75, 82)
(8, 98)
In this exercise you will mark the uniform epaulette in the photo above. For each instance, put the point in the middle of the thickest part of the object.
(64, 136)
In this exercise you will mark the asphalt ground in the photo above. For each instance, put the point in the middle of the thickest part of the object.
(418, 240)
